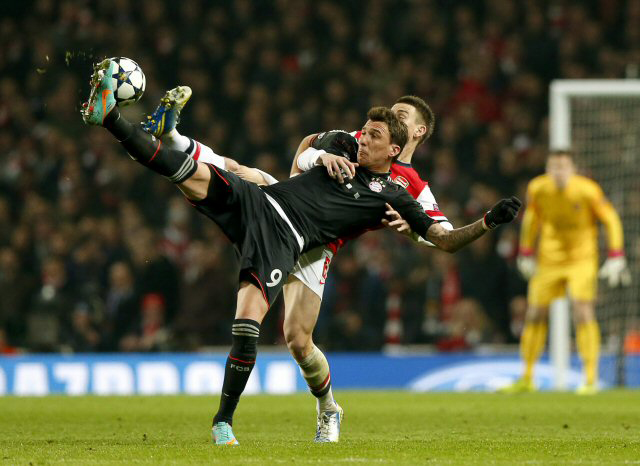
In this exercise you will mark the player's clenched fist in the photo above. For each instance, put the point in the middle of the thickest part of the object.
(505, 211)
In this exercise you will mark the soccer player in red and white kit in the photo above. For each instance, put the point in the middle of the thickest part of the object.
(304, 288)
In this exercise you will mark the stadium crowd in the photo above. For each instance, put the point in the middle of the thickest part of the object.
(96, 255)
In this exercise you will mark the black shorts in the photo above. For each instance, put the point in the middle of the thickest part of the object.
(266, 246)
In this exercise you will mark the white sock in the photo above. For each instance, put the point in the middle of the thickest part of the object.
(315, 370)
(193, 148)
(175, 140)
(326, 402)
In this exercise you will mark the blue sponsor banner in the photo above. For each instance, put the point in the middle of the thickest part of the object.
(275, 373)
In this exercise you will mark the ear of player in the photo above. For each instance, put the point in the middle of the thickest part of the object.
(337, 142)
(505, 211)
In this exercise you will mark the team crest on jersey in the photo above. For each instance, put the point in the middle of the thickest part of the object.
(375, 186)
(402, 181)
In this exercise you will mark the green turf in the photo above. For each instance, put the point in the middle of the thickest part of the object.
(383, 427)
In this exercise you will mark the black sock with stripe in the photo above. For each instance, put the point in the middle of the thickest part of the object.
(242, 358)
(147, 150)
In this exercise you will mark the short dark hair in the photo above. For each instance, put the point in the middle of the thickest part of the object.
(397, 129)
(427, 115)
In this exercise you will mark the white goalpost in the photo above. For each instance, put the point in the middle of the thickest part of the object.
(600, 121)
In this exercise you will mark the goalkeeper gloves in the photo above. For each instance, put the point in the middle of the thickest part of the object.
(504, 211)
(615, 271)
(526, 264)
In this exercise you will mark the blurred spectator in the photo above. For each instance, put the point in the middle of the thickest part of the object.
(83, 336)
(5, 346)
(206, 311)
(121, 305)
(150, 333)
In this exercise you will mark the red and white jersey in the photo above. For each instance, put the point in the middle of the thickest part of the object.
(406, 176)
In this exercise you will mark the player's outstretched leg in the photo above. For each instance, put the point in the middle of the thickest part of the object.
(101, 110)
(163, 122)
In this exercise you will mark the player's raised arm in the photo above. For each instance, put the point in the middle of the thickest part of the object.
(504, 211)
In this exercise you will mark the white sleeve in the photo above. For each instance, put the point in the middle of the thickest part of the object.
(430, 206)
(307, 159)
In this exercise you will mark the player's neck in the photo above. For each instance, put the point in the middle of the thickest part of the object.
(380, 168)
(407, 153)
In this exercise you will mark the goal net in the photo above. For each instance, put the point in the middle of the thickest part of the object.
(600, 121)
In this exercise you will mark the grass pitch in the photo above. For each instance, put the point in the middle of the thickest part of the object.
(379, 427)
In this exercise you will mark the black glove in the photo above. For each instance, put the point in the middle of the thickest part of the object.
(503, 212)
(337, 142)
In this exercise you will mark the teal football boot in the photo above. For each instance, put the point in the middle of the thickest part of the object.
(101, 99)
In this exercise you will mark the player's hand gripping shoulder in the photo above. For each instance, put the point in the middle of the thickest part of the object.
(504, 211)
(338, 167)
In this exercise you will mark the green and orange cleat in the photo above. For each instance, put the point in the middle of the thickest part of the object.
(222, 434)
(101, 99)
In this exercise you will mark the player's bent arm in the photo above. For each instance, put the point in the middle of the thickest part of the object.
(505, 211)
(252, 175)
(196, 186)
(304, 145)
(607, 214)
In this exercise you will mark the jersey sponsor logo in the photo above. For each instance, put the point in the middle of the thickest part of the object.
(402, 181)
(375, 186)
(276, 276)
(325, 269)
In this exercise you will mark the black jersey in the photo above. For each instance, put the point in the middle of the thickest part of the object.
(322, 210)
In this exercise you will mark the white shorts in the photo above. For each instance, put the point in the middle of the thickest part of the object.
(312, 268)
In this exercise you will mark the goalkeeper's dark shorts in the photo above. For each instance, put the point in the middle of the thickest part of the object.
(265, 243)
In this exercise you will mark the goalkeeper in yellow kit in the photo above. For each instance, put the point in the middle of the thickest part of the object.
(559, 255)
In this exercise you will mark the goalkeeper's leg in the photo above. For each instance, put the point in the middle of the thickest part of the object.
(532, 343)
(588, 343)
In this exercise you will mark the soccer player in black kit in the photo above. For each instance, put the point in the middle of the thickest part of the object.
(271, 226)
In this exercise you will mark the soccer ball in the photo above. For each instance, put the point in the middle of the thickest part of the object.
(128, 81)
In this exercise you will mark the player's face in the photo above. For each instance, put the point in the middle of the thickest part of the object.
(375, 149)
(410, 117)
(560, 168)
